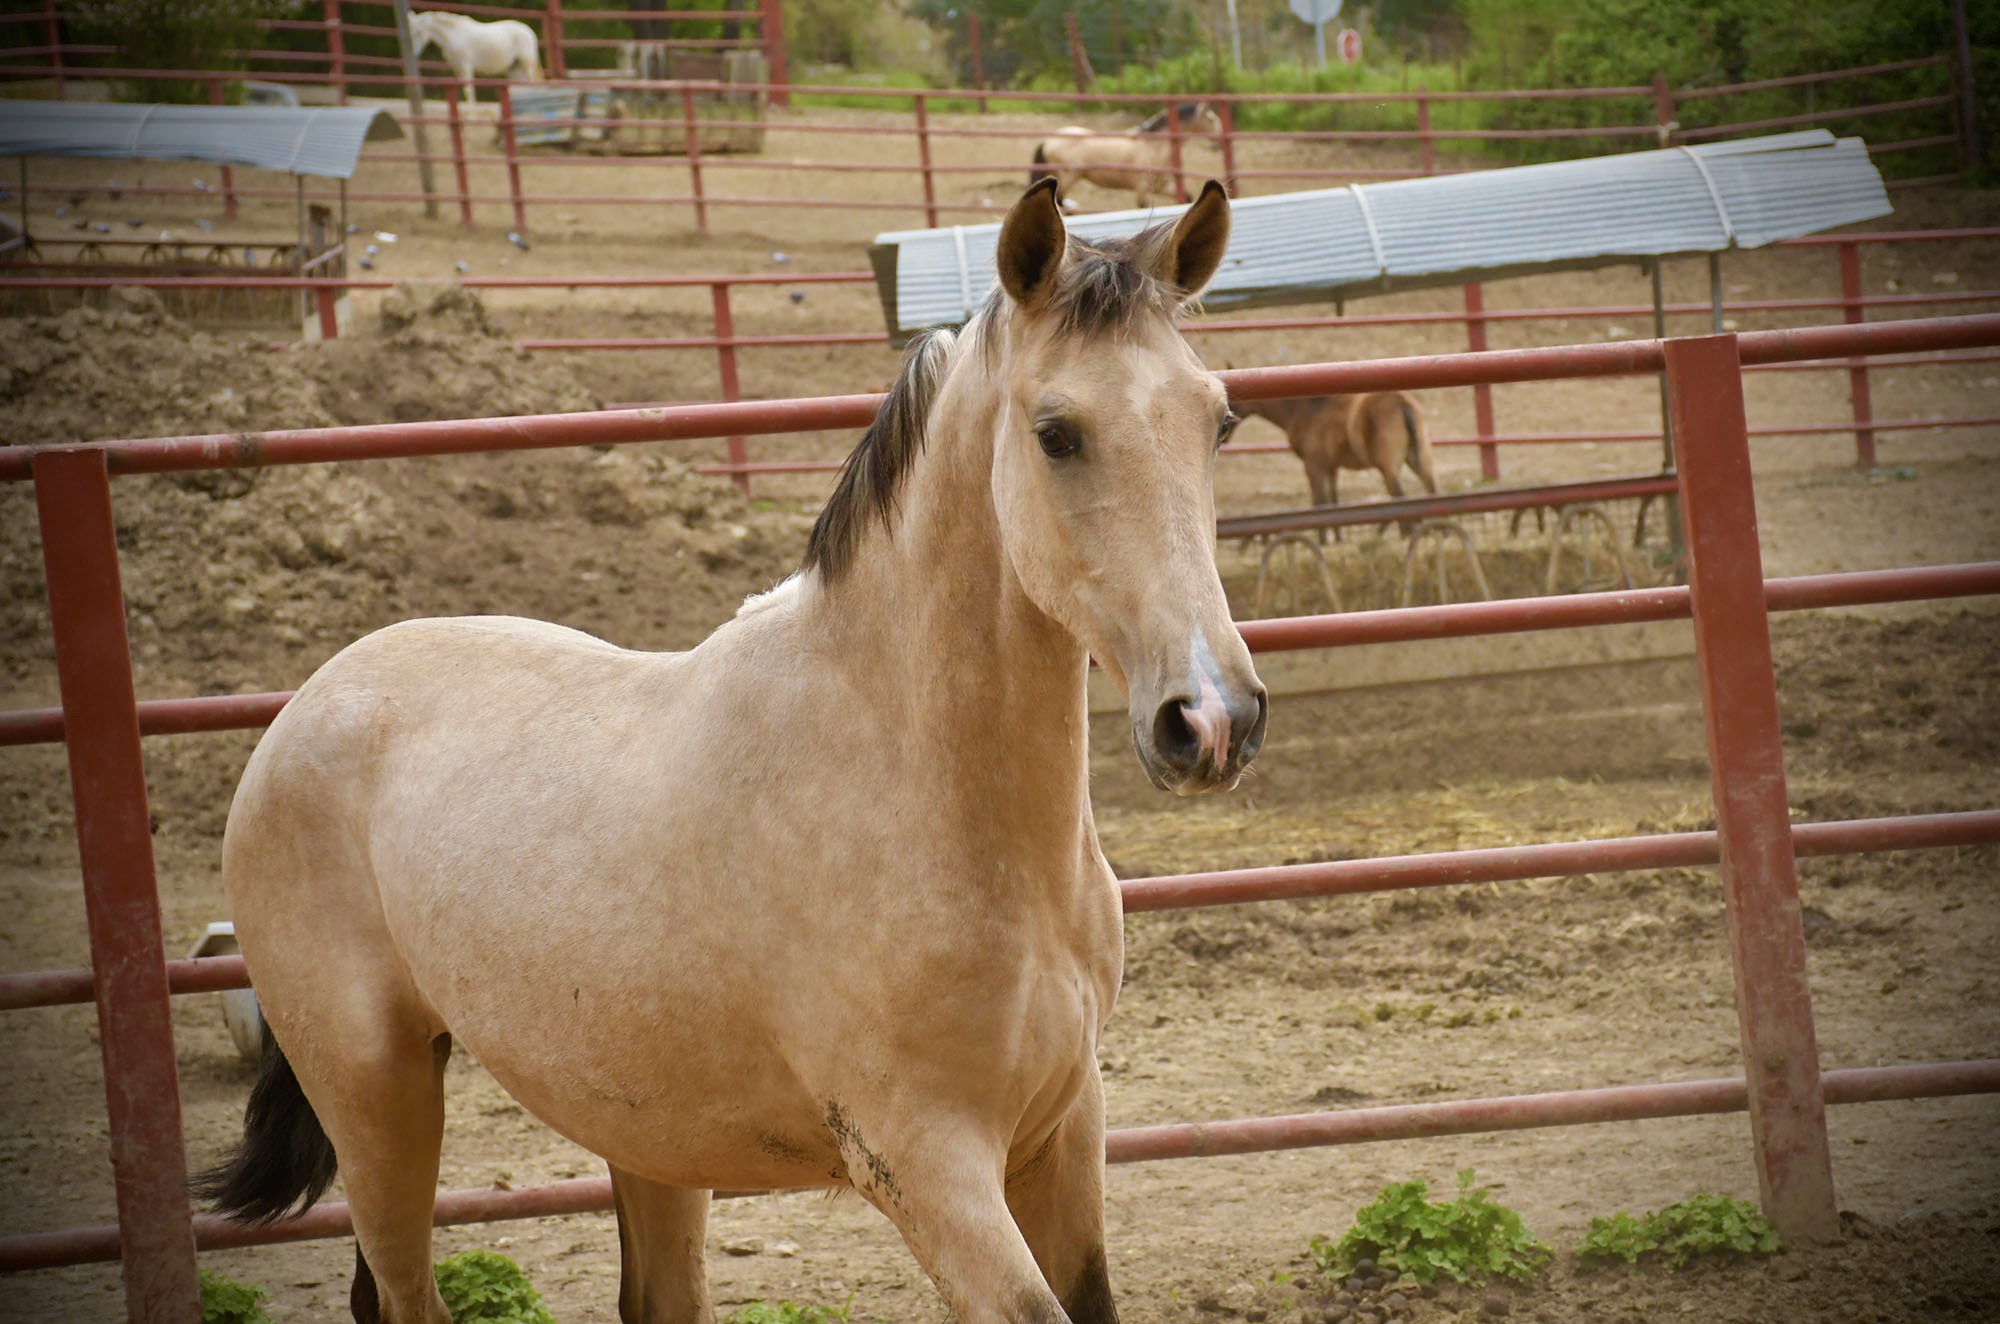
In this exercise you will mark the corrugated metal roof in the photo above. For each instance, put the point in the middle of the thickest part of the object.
(321, 140)
(1370, 238)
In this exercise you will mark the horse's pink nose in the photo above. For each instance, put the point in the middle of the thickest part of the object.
(1212, 735)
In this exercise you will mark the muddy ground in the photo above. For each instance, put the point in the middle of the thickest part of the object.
(1438, 995)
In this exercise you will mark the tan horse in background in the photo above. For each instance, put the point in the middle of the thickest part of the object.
(819, 902)
(1139, 159)
(1381, 430)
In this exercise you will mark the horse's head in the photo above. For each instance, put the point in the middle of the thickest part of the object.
(1103, 474)
(1201, 121)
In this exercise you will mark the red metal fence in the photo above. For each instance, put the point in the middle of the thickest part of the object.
(1853, 302)
(1754, 843)
(925, 133)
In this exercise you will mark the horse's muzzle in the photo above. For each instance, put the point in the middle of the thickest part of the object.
(1203, 742)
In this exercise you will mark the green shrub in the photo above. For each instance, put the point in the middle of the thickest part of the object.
(1679, 1233)
(226, 1301)
(1467, 1239)
(481, 1287)
(786, 1312)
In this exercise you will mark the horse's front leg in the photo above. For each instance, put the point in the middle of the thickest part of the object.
(1057, 1198)
(942, 1183)
(663, 1276)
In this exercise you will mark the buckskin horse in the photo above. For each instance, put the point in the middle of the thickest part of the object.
(818, 902)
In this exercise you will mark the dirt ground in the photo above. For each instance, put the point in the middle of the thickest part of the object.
(238, 586)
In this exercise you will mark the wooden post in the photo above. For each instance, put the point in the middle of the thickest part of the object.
(1664, 119)
(458, 163)
(972, 40)
(1746, 761)
(1482, 394)
(52, 25)
(121, 898)
(771, 31)
(1969, 146)
(228, 174)
(1079, 58)
(725, 354)
(336, 50)
(1857, 368)
(692, 127)
(1174, 149)
(512, 149)
(924, 161)
(1225, 110)
(413, 88)
(1424, 146)
(552, 37)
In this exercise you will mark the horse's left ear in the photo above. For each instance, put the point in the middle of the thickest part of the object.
(1033, 243)
(1199, 241)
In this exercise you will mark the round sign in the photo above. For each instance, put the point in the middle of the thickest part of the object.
(1316, 11)
(1349, 45)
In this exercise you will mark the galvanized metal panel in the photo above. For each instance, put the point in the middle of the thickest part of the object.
(320, 140)
(1319, 245)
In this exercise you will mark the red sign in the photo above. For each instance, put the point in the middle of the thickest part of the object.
(1349, 45)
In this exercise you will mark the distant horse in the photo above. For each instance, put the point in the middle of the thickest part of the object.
(1382, 430)
(472, 48)
(819, 902)
(1139, 159)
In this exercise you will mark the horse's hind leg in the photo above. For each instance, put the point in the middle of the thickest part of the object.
(1057, 1198)
(661, 1232)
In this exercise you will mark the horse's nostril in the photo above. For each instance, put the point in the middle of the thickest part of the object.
(1175, 741)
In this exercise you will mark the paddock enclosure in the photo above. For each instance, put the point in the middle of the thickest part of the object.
(1498, 974)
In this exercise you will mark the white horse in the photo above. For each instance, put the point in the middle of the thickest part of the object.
(818, 902)
(473, 48)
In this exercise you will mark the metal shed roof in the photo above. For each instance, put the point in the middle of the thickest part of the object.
(322, 140)
(1446, 229)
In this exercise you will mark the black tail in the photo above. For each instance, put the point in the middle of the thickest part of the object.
(1410, 456)
(285, 1157)
(1037, 176)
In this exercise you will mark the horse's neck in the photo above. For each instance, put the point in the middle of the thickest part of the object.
(931, 609)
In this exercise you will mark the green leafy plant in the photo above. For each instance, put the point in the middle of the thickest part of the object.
(481, 1287)
(786, 1312)
(1467, 1238)
(226, 1301)
(1680, 1233)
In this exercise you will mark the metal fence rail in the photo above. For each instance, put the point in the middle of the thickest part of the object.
(1754, 843)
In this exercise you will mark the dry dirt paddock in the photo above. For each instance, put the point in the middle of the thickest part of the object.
(1438, 995)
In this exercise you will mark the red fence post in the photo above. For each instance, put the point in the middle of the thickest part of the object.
(336, 50)
(329, 311)
(771, 30)
(1665, 120)
(1747, 774)
(1424, 147)
(924, 161)
(1226, 112)
(52, 23)
(121, 896)
(513, 152)
(725, 354)
(228, 174)
(692, 127)
(978, 56)
(458, 163)
(1857, 368)
(1482, 394)
(552, 37)
(1174, 149)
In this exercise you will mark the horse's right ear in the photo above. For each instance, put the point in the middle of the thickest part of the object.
(1032, 244)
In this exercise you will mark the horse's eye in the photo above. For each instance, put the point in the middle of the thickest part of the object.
(1056, 438)
(1227, 426)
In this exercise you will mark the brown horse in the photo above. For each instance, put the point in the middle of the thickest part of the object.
(818, 902)
(1139, 159)
(1382, 430)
